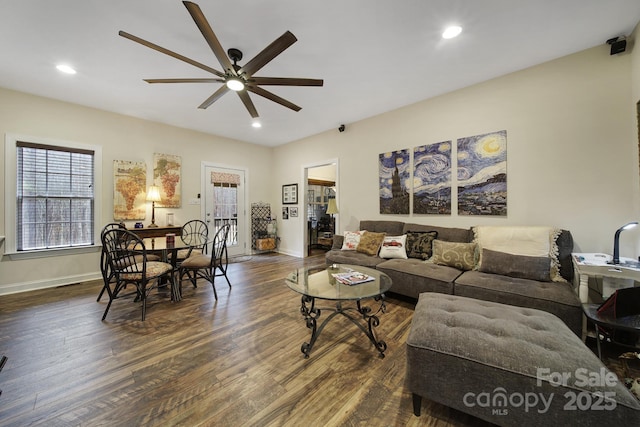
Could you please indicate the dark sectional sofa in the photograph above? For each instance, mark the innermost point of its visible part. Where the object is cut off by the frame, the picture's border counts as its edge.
(411, 276)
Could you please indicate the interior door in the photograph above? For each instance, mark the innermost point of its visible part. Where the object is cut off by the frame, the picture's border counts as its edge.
(225, 203)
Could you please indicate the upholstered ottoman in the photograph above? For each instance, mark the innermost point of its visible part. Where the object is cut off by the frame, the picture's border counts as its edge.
(510, 365)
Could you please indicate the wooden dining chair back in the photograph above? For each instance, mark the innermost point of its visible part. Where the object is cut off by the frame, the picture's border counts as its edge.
(107, 273)
(128, 260)
(208, 266)
(194, 233)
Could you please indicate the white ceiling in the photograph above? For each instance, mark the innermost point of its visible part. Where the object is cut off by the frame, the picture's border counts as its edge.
(374, 55)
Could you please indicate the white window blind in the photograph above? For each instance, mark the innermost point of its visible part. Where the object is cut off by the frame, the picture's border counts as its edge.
(55, 197)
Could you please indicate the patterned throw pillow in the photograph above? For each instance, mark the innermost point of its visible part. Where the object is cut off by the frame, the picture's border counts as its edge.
(419, 244)
(394, 247)
(453, 254)
(370, 243)
(351, 240)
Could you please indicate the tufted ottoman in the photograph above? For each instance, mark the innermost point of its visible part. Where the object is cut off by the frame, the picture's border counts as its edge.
(510, 365)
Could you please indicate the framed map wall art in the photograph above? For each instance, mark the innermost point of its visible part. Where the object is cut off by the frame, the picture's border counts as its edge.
(394, 179)
(482, 174)
(432, 179)
(167, 174)
(129, 190)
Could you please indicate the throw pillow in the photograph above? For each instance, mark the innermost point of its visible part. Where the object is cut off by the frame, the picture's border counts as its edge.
(519, 266)
(370, 243)
(453, 254)
(394, 247)
(419, 244)
(533, 241)
(351, 240)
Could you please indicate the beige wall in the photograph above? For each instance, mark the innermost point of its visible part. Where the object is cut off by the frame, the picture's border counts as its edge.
(572, 150)
(121, 138)
(634, 108)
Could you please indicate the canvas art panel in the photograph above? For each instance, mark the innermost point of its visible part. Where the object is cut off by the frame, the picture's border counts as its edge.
(129, 190)
(394, 180)
(482, 174)
(432, 179)
(167, 171)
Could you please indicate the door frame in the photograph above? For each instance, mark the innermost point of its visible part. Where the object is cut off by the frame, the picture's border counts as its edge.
(305, 187)
(203, 189)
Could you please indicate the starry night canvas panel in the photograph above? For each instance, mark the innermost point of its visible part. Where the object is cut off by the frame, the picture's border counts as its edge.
(394, 178)
(432, 179)
(482, 174)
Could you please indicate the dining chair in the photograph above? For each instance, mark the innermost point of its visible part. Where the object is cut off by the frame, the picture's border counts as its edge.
(208, 266)
(129, 262)
(107, 273)
(193, 233)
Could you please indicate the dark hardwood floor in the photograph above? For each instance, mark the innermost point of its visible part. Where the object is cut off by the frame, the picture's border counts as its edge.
(231, 362)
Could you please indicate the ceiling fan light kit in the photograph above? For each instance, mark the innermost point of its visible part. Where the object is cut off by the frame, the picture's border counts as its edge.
(240, 79)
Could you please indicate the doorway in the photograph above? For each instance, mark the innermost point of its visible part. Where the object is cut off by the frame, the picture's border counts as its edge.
(320, 206)
(224, 203)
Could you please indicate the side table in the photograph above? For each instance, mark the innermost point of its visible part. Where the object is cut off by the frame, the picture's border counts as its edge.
(595, 265)
(628, 323)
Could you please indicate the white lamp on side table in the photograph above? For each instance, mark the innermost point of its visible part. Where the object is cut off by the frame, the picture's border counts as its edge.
(153, 196)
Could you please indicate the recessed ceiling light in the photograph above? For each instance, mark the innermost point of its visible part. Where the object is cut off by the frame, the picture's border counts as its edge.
(65, 69)
(256, 124)
(451, 32)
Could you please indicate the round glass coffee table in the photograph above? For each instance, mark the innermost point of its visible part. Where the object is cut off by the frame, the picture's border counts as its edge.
(316, 284)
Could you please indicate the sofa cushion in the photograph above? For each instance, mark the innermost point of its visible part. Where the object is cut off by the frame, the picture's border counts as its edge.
(420, 244)
(394, 247)
(524, 240)
(462, 256)
(392, 228)
(523, 267)
(554, 297)
(337, 256)
(411, 277)
(370, 243)
(351, 240)
(449, 234)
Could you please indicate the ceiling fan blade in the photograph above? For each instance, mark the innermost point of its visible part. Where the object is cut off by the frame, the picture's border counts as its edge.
(273, 97)
(244, 96)
(209, 36)
(285, 81)
(184, 80)
(213, 98)
(170, 53)
(268, 53)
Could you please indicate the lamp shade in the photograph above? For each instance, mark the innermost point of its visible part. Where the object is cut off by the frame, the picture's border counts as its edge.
(153, 194)
(333, 207)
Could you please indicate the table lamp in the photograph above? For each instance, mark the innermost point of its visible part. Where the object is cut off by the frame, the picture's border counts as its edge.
(153, 196)
(332, 208)
(616, 241)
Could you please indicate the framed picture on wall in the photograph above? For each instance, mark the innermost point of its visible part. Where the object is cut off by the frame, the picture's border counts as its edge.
(285, 212)
(290, 194)
(293, 211)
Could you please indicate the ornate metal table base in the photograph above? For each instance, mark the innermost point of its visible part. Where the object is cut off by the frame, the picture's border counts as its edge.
(371, 321)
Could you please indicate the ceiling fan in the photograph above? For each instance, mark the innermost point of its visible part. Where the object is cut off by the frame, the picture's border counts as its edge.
(240, 79)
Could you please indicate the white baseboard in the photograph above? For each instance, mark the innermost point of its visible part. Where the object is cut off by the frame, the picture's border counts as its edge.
(14, 288)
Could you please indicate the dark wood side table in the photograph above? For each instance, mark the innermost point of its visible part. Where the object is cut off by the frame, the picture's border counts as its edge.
(156, 231)
(628, 323)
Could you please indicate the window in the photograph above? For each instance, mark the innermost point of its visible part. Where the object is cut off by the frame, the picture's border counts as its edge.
(55, 190)
(54, 197)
